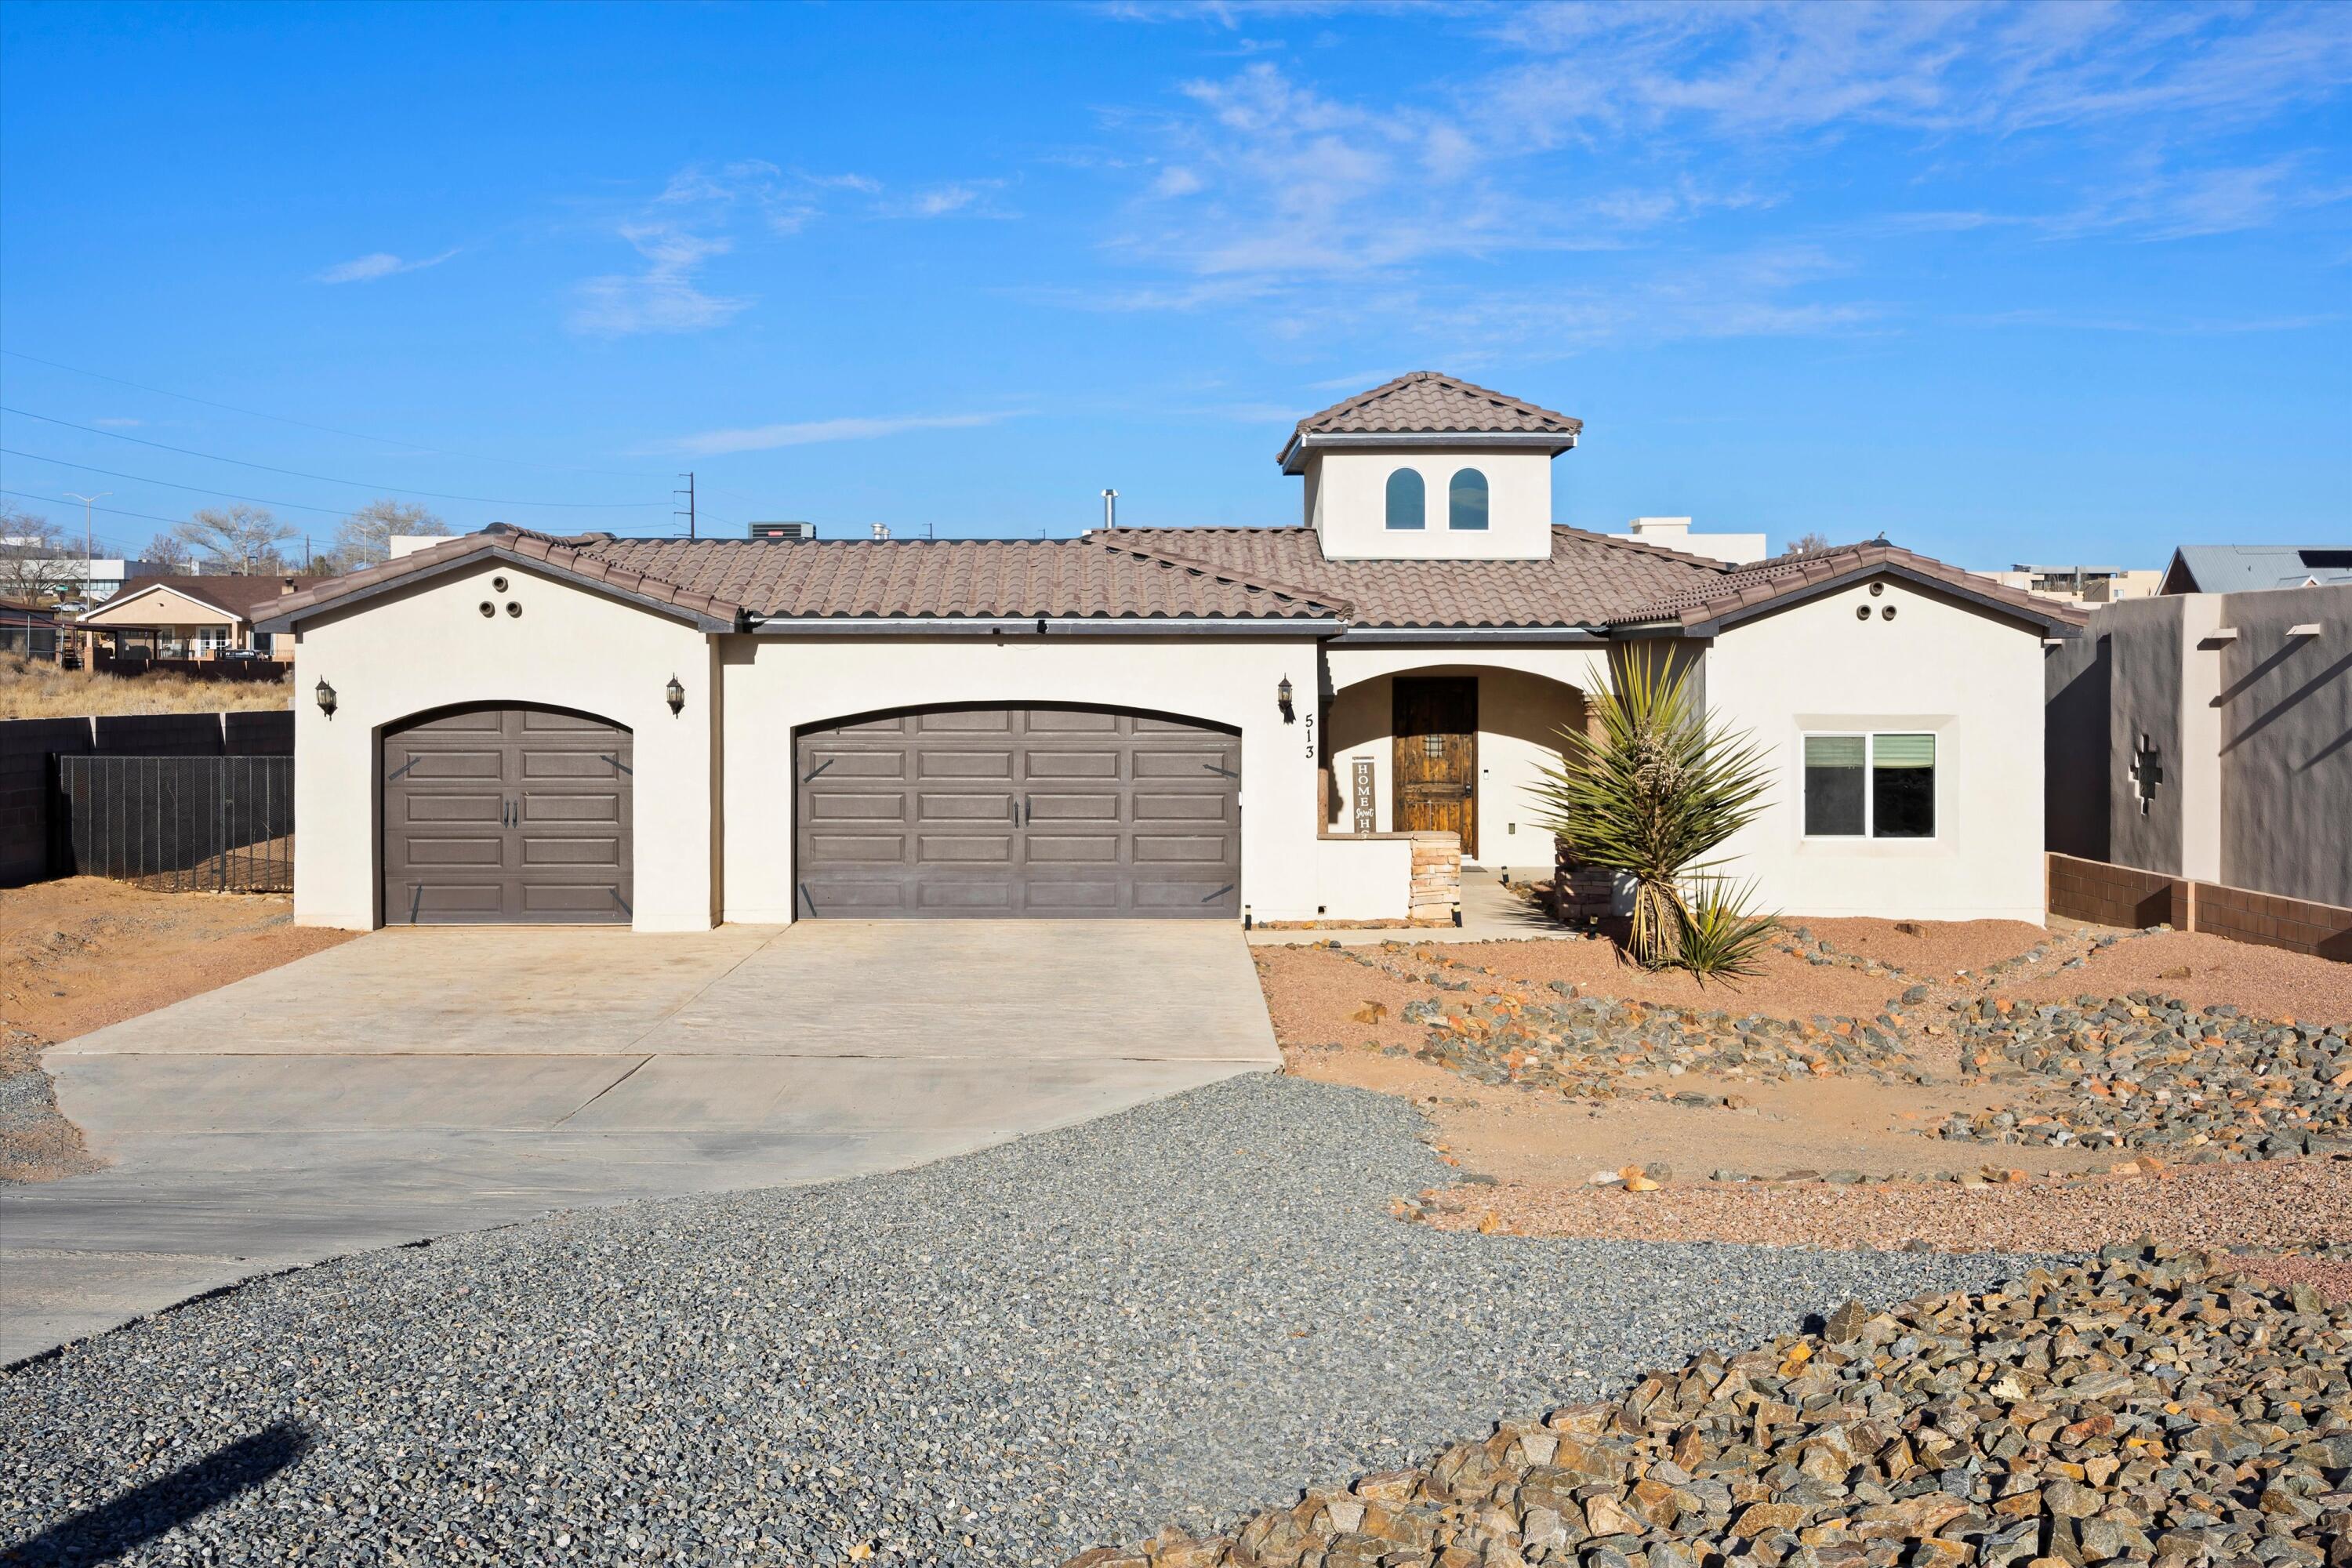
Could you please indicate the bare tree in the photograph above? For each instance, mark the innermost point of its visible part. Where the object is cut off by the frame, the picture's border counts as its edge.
(238, 539)
(167, 551)
(1807, 544)
(365, 536)
(36, 564)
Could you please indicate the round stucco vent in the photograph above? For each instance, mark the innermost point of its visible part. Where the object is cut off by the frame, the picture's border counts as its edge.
(513, 608)
(1887, 614)
(1862, 612)
(1876, 589)
(499, 586)
(490, 609)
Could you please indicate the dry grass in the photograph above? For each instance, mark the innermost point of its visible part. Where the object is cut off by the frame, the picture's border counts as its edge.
(37, 691)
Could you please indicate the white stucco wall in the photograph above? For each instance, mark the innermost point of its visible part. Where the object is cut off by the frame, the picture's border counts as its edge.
(430, 647)
(1972, 679)
(1347, 505)
(776, 685)
(1524, 696)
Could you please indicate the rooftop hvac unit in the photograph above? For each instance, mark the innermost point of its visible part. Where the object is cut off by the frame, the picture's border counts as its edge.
(796, 532)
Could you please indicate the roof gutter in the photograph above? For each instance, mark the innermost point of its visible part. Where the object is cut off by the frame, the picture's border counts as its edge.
(1378, 637)
(1552, 442)
(1040, 625)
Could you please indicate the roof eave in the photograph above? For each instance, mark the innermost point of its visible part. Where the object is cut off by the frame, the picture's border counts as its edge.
(1044, 626)
(1707, 620)
(1292, 458)
(719, 617)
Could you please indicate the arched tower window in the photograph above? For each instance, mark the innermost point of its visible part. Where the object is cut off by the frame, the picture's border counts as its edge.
(1408, 500)
(1466, 501)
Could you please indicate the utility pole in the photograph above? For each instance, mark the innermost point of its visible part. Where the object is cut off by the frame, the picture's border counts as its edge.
(87, 550)
(688, 493)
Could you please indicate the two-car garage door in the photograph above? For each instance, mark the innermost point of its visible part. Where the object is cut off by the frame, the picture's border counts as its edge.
(1045, 812)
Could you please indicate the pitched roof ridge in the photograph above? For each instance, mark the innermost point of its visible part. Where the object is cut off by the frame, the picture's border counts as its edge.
(1240, 579)
(1644, 547)
(1451, 383)
(566, 553)
(1762, 582)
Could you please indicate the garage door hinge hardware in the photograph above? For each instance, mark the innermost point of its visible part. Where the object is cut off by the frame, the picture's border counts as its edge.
(618, 764)
(1222, 772)
(818, 769)
(402, 769)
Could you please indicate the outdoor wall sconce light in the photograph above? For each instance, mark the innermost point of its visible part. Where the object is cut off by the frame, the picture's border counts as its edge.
(676, 695)
(326, 696)
(1282, 700)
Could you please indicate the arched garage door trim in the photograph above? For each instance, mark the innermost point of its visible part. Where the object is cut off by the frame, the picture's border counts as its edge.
(976, 811)
(505, 813)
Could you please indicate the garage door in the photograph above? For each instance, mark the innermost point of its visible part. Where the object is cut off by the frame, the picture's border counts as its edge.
(506, 814)
(1051, 813)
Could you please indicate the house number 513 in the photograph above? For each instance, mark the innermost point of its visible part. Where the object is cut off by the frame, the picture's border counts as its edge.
(1310, 722)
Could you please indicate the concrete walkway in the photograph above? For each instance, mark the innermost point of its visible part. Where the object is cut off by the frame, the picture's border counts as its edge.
(1489, 913)
(418, 1082)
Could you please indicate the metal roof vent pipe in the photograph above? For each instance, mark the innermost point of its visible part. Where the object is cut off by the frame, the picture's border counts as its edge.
(882, 531)
(1110, 509)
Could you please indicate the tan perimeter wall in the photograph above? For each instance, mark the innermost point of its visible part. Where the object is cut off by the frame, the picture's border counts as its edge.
(2107, 894)
(1973, 680)
(430, 647)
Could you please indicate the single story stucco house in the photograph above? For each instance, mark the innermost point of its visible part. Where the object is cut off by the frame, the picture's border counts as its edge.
(1197, 722)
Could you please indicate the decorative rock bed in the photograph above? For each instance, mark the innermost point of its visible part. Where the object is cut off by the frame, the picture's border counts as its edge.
(2147, 1072)
(2146, 1409)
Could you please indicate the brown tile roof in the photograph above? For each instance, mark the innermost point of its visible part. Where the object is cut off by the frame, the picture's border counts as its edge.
(240, 595)
(1747, 589)
(1090, 576)
(1589, 580)
(566, 556)
(1426, 402)
(726, 579)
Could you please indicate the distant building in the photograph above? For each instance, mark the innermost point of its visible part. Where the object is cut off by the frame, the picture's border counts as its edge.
(1675, 534)
(2235, 568)
(800, 532)
(107, 574)
(2082, 584)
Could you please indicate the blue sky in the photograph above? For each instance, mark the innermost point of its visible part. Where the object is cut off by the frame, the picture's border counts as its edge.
(2066, 283)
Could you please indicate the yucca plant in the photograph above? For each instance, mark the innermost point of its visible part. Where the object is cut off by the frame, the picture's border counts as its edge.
(1720, 933)
(1661, 787)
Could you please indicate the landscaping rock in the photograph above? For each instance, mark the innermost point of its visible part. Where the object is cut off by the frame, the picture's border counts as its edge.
(2149, 1408)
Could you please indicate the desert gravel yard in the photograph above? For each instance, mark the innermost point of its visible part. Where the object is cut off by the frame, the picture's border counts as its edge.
(1179, 1313)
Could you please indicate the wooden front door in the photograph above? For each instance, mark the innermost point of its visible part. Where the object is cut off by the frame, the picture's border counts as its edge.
(1436, 765)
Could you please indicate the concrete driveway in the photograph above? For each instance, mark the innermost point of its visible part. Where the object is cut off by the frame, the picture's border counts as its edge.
(419, 1082)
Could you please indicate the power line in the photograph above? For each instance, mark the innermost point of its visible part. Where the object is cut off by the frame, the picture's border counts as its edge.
(327, 429)
(327, 479)
(110, 510)
(170, 485)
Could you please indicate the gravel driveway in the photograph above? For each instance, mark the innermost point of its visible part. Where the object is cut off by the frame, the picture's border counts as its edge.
(1175, 1313)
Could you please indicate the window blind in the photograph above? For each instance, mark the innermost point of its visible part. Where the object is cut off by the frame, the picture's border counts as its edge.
(1833, 751)
(1903, 751)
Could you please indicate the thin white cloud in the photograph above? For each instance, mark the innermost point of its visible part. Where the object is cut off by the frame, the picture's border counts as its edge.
(664, 297)
(379, 264)
(119, 424)
(806, 433)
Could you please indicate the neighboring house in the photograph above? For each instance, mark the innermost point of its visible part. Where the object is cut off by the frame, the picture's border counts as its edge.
(2082, 584)
(1675, 534)
(192, 617)
(30, 630)
(1168, 722)
(2236, 568)
(2209, 736)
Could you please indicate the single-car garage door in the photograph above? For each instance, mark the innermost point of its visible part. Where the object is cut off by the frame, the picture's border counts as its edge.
(1051, 813)
(509, 814)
